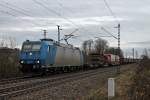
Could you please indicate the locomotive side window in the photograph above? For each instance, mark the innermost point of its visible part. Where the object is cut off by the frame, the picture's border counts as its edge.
(48, 49)
(36, 47)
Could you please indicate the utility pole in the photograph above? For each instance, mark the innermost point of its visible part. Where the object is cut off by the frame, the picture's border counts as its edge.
(126, 54)
(44, 34)
(119, 47)
(133, 53)
(119, 40)
(118, 27)
(136, 53)
(58, 33)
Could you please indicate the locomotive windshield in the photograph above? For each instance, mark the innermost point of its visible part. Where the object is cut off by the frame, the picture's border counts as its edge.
(31, 46)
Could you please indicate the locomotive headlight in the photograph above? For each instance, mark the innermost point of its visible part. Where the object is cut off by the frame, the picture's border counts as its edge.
(22, 62)
(30, 53)
(38, 61)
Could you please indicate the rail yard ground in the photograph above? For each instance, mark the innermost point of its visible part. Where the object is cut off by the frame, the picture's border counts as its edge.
(89, 85)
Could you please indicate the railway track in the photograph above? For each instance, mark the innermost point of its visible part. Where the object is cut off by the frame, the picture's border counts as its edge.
(37, 84)
(14, 80)
(10, 81)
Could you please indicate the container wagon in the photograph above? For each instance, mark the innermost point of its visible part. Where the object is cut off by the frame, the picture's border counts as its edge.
(112, 59)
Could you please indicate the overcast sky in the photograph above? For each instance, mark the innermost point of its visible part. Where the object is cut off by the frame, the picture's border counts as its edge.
(25, 19)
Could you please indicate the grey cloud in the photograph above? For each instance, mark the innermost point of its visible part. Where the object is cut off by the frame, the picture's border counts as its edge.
(134, 26)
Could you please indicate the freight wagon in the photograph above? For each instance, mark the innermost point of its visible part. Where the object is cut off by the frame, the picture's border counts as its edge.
(96, 60)
(112, 59)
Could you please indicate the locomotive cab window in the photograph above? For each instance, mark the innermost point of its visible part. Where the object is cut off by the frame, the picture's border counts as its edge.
(31, 46)
(26, 47)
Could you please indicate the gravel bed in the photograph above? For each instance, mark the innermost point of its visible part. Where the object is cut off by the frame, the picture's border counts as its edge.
(75, 90)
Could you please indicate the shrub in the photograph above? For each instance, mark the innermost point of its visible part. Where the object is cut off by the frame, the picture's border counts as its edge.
(9, 59)
(140, 90)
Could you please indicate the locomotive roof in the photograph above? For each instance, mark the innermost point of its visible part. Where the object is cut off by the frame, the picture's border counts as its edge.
(27, 41)
(52, 42)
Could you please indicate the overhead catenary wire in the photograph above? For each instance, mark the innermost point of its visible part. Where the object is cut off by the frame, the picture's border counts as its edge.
(108, 32)
(17, 10)
(111, 11)
(11, 14)
(24, 12)
(59, 15)
(66, 8)
(6, 12)
(27, 12)
(56, 13)
(13, 9)
(70, 11)
(12, 5)
(61, 5)
(53, 11)
(115, 18)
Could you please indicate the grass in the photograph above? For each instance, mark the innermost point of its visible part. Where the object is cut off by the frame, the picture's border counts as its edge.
(132, 84)
(123, 81)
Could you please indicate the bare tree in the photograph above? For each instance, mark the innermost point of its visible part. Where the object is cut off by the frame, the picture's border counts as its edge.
(2, 43)
(87, 46)
(9, 42)
(114, 50)
(84, 47)
(90, 42)
(10, 55)
(136, 54)
(100, 45)
(145, 52)
(12, 42)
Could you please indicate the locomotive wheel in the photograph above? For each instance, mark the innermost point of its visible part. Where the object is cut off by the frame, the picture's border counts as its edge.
(26, 68)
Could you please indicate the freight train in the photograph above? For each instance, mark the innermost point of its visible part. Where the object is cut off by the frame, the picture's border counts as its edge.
(49, 55)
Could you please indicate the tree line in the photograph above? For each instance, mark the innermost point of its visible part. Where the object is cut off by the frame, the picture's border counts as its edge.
(99, 46)
(9, 57)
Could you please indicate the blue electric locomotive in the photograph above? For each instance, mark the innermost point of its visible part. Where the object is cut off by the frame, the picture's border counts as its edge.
(47, 55)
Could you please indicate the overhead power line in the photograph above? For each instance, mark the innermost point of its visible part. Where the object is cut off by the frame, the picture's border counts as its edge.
(16, 10)
(8, 13)
(53, 11)
(59, 15)
(5, 12)
(108, 32)
(141, 42)
(111, 11)
(61, 5)
(23, 10)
